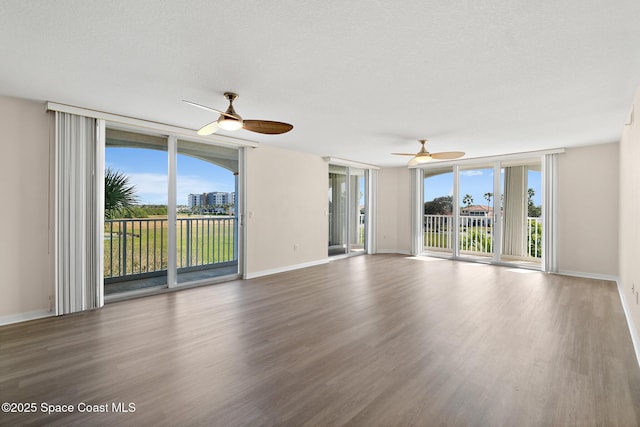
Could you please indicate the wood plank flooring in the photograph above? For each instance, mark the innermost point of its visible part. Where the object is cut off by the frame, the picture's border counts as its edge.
(372, 340)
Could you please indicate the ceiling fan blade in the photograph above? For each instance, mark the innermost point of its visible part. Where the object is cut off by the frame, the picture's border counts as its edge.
(447, 155)
(204, 107)
(266, 126)
(404, 154)
(208, 129)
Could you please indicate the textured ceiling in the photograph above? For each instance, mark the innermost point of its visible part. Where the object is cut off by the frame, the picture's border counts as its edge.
(357, 79)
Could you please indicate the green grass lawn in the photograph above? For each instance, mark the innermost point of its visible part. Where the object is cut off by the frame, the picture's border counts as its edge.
(200, 241)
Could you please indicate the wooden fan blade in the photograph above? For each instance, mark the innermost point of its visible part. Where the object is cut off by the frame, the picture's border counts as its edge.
(209, 129)
(447, 155)
(266, 126)
(204, 107)
(404, 154)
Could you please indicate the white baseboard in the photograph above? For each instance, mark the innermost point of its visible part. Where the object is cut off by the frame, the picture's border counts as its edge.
(597, 276)
(283, 269)
(627, 314)
(23, 317)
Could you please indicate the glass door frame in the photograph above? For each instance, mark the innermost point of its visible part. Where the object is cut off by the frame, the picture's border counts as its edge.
(368, 194)
(496, 224)
(172, 139)
(239, 234)
(548, 164)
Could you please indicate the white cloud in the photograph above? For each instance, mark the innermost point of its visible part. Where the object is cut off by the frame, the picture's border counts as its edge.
(151, 188)
(471, 173)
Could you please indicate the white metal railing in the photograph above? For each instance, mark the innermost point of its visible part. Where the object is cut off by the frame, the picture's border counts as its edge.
(534, 237)
(438, 232)
(134, 247)
(476, 234)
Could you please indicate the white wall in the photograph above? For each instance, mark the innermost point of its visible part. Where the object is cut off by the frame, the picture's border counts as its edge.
(629, 263)
(286, 210)
(394, 210)
(587, 210)
(26, 242)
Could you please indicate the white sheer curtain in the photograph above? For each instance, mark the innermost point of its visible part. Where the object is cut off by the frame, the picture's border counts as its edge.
(372, 209)
(417, 209)
(549, 213)
(514, 241)
(79, 213)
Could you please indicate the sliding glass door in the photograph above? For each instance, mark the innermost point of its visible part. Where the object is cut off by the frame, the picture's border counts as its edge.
(136, 252)
(521, 212)
(438, 218)
(206, 223)
(347, 210)
(178, 223)
(488, 212)
(475, 201)
(357, 209)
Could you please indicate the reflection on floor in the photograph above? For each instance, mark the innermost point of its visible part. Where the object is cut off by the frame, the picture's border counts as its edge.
(533, 263)
(161, 281)
(341, 250)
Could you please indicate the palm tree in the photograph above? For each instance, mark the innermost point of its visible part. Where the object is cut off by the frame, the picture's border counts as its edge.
(488, 196)
(119, 195)
(467, 199)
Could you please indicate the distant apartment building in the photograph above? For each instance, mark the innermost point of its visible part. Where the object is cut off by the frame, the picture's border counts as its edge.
(217, 198)
(195, 200)
(213, 202)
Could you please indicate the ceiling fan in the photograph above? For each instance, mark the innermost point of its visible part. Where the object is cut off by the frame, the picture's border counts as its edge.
(423, 156)
(230, 120)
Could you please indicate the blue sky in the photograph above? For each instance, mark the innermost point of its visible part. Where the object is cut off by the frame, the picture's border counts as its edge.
(475, 182)
(147, 170)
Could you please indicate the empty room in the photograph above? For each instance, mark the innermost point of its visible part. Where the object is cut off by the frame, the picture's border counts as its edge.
(319, 214)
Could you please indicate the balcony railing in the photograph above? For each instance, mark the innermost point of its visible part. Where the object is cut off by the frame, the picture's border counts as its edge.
(476, 235)
(138, 247)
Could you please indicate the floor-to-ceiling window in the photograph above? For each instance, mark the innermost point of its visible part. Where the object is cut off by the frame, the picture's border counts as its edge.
(192, 203)
(337, 210)
(357, 210)
(489, 211)
(136, 227)
(438, 218)
(206, 223)
(521, 211)
(476, 212)
(347, 211)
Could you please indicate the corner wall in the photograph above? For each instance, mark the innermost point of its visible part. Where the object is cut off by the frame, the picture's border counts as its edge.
(629, 262)
(394, 210)
(587, 211)
(26, 245)
(286, 212)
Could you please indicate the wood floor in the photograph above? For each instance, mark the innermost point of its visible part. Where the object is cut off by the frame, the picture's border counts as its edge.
(365, 341)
